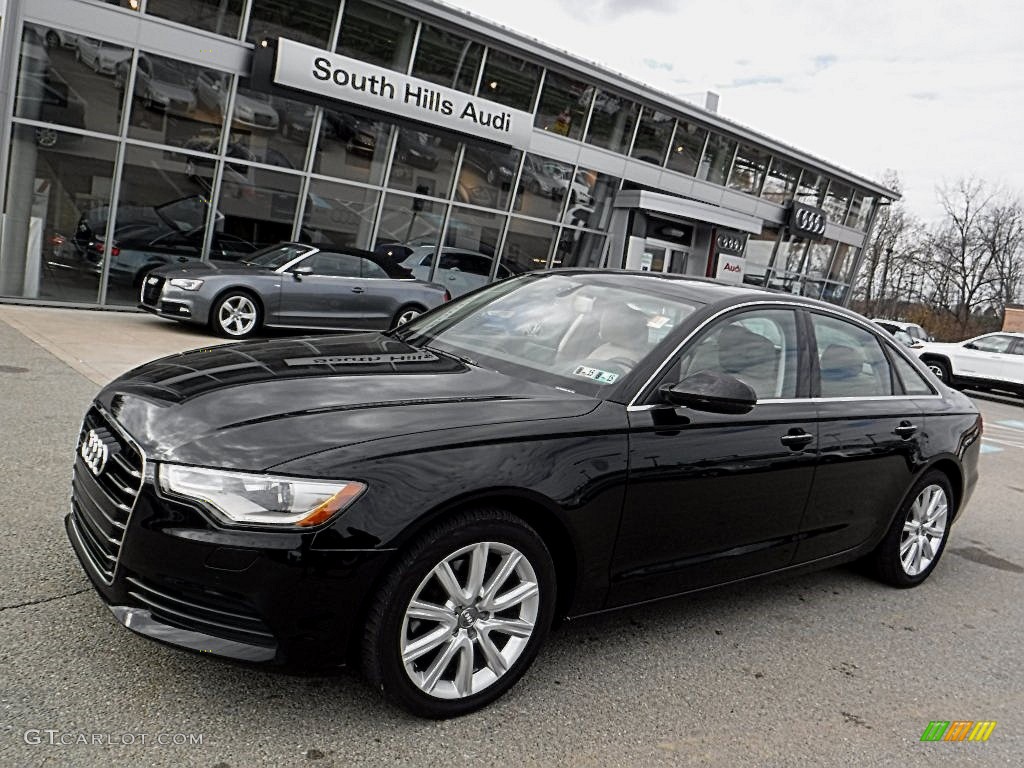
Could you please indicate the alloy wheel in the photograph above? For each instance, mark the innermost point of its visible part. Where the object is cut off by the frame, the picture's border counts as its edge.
(237, 315)
(924, 530)
(938, 370)
(470, 620)
(46, 137)
(409, 314)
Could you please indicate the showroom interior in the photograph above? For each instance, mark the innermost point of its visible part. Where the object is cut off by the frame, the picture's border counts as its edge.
(144, 132)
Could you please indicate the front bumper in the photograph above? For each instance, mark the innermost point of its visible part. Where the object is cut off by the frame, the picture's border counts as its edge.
(255, 596)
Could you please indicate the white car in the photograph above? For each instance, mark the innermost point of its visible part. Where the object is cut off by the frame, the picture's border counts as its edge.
(994, 361)
(460, 270)
(102, 57)
(913, 330)
(250, 111)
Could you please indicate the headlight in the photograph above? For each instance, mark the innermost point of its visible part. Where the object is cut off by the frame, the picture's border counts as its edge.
(187, 284)
(258, 499)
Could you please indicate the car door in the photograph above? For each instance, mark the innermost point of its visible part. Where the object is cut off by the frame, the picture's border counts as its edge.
(381, 295)
(715, 497)
(991, 358)
(330, 296)
(869, 441)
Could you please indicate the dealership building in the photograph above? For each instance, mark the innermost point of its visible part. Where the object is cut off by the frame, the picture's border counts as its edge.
(136, 133)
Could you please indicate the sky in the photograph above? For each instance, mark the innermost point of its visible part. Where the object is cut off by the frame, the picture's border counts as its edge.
(933, 90)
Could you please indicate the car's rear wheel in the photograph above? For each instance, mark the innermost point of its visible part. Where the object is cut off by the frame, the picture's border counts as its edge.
(941, 370)
(406, 313)
(46, 137)
(236, 315)
(917, 537)
(462, 616)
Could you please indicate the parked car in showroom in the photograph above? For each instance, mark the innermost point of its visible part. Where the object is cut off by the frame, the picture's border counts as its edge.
(291, 285)
(425, 502)
(460, 270)
(102, 57)
(990, 362)
(159, 85)
(251, 111)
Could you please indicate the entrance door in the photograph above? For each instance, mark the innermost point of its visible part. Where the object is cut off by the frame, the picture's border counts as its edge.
(664, 257)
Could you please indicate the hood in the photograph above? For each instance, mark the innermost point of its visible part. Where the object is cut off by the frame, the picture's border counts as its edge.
(213, 267)
(254, 405)
(174, 91)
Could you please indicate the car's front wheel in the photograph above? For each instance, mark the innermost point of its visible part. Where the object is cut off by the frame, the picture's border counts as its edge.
(917, 537)
(462, 615)
(405, 314)
(941, 370)
(236, 315)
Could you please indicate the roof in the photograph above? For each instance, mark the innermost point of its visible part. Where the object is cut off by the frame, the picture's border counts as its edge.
(503, 37)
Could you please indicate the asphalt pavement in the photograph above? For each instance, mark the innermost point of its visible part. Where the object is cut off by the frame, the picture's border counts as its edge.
(825, 669)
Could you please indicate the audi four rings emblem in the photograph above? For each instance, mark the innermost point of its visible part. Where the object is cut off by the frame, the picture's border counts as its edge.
(95, 452)
(810, 221)
(729, 243)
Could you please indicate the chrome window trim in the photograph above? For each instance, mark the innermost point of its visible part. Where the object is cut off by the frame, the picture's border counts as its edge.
(803, 400)
(862, 323)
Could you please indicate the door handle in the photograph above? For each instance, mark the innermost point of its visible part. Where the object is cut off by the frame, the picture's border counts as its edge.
(796, 439)
(905, 429)
(358, 290)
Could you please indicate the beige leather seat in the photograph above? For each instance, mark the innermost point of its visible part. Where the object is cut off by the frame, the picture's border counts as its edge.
(842, 372)
(623, 332)
(751, 358)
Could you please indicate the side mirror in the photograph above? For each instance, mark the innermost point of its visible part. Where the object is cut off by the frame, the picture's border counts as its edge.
(298, 272)
(970, 345)
(712, 392)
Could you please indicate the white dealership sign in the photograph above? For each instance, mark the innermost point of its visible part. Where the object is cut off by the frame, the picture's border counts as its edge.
(339, 77)
(730, 268)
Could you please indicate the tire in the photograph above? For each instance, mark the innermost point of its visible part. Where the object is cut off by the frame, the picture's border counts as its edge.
(46, 137)
(236, 315)
(901, 560)
(457, 659)
(941, 370)
(406, 313)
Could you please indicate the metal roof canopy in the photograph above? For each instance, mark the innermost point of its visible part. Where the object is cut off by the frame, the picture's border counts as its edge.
(687, 209)
(571, 64)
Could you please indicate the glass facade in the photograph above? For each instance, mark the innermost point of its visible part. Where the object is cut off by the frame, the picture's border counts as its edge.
(124, 159)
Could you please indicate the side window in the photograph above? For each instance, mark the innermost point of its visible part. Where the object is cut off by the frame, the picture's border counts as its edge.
(850, 360)
(996, 343)
(369, 269)
(334, 264)
(913, 382)
(758, 347)
(1018, 348)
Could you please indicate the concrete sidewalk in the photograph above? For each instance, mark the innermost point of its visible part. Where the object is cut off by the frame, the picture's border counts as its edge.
(101, 345)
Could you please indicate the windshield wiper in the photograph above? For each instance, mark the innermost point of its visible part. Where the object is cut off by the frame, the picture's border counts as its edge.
(461, 358)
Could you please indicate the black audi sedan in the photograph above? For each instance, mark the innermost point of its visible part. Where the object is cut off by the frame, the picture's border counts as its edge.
(426, 502)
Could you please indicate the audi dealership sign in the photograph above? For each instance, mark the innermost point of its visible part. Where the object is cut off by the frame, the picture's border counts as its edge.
(807, 221)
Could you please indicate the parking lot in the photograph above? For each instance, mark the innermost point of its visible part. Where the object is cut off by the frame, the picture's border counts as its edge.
(826, 669)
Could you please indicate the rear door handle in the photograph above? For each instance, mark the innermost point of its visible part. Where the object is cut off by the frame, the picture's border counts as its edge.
(796, 439)
(905, 429)
(358, 290)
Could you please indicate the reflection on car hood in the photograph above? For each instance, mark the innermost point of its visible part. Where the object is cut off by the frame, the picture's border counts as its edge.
(200, 268)
(253, 405)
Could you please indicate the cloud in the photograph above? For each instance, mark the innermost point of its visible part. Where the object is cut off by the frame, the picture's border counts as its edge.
(655, 64)
(614, 9)
(743, 82)
(924, 95)
(824, 61)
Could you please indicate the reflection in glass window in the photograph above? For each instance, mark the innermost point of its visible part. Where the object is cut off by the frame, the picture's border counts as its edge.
(543, 187)
(509, 80)
(527, 245)
(376, 35)
(62, 187)
(177, 103)
(258, 204)
(837, 200)
(843, 263)
(407, 223)
(338, 215)
(591, 195)
(486, 174)
(780, 183)
(447, 59)
(577, 248)
(863, 214)
(471, 242)
(687, 147)
(850, 360)
(714, 165)
(161, 217)
(221, 17)
(563, 107)
(811, 190)
(784, 274)
(423, 163)
(352, 147)
(285, 147)
(653, 136)
(307, 22)
(818, 257)
(612, 122)
(748, 170)
(55, 85)
(758, 255)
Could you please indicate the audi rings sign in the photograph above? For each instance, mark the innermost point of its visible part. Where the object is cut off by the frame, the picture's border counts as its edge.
(730, 242)
(94, 452)
(807, 221)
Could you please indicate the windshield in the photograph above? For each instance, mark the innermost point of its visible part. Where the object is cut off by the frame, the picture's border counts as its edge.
(275, 256)
(579, 332)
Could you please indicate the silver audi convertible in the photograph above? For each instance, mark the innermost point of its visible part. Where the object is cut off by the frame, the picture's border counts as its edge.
(291, 285)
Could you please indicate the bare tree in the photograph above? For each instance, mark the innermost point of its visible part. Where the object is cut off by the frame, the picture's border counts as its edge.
(1002, 237)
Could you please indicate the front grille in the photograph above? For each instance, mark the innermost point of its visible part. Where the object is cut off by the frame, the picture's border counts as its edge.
(151, 288)
(206, 611)
(102, 501)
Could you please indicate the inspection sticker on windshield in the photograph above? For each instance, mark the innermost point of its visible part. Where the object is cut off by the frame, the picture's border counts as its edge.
(603, 377)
